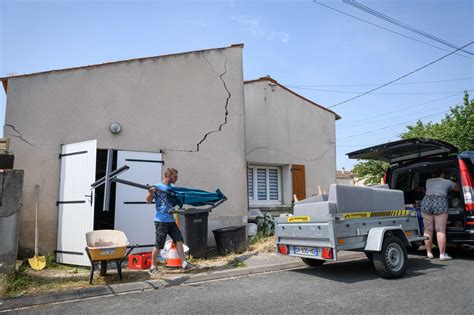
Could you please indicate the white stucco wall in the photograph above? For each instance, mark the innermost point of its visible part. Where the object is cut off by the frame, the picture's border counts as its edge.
(164, 103)
(284, 129)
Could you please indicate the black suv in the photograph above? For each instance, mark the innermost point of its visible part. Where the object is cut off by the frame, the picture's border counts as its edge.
(411, 162)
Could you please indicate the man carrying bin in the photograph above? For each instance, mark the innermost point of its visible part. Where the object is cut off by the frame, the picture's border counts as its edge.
(164, 221)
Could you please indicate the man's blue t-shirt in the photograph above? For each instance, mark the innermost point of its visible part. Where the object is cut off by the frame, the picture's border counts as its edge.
(162, 208)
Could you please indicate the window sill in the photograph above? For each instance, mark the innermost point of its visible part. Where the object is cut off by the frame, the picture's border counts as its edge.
(274, 211)
(269, 206)
(254, 204)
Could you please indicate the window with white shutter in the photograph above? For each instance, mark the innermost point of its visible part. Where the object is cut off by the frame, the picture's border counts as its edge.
(273, 184)
(261, 184)
(250, 182)
(264, 185)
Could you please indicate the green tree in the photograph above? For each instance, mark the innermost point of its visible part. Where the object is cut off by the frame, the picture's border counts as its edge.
(371, 172)
(457, 128)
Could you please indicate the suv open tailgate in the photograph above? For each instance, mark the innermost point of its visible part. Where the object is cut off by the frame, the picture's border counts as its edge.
(404, 150)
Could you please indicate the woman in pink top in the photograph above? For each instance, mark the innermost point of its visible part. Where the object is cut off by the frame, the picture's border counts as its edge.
(434, 209)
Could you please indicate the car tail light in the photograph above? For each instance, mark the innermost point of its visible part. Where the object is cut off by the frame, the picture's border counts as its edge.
(327, 253)
(467, 186)
(283, 249)
(385, 177)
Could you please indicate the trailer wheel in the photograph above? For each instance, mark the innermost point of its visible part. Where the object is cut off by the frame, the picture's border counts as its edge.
(391, 261)
(313, 262)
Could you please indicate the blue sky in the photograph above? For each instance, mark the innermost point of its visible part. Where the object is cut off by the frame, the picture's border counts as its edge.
(321, 54)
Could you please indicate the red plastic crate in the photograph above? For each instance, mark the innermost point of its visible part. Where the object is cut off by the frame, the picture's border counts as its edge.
(139, 261)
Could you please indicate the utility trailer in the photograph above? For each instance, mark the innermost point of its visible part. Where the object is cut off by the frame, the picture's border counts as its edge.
(373, 220)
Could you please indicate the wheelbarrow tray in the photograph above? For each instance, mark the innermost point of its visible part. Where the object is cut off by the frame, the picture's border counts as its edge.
(106, 244)
(107, 252)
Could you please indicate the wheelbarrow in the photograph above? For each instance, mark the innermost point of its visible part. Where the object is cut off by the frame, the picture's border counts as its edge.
(104, 246)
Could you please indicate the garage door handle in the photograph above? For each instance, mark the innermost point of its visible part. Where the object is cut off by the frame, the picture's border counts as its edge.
(90, 196)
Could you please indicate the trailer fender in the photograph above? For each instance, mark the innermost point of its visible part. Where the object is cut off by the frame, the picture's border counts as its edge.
(377, 235)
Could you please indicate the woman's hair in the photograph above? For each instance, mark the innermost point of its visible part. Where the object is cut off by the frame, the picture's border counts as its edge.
(436, 172)
(170, 172)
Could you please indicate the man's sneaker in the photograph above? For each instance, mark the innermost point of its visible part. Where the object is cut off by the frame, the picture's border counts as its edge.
(430, 255)
(187, 266)
(445, 257)
(154, 271)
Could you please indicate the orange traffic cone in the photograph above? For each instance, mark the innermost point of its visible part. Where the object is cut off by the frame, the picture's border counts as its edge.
(173, 258)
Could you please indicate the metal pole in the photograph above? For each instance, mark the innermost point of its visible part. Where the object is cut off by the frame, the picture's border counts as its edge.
(113, 174)
(107, 180)
(129, 183)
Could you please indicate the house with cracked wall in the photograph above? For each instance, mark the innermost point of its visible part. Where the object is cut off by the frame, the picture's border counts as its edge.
(290, 145)
(185, 111)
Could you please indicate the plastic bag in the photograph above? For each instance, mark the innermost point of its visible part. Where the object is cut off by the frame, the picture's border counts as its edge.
(164, 252)
(252, 229)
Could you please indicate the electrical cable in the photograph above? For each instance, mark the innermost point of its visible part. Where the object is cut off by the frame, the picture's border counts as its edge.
(355, 146)
(357, 122)
(388, 127)
(389, 19)
(379, 93)
(384, 28)
(375, 84)
(401, 77)
(394, 118)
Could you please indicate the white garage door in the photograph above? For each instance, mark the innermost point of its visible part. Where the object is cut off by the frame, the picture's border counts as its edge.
(132, 215)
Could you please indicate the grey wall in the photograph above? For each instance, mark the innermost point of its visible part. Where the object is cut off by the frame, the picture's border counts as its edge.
(11, 185)
(282, 129)
(166, 103)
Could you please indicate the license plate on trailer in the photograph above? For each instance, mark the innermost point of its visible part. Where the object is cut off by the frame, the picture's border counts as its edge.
(308, 251)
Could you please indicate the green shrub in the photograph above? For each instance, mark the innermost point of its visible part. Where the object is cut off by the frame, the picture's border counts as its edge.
(266, 225)
(50, 261)
(20, 281)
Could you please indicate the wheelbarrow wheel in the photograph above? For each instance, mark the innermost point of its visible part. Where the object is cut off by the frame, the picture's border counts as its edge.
(103, 267)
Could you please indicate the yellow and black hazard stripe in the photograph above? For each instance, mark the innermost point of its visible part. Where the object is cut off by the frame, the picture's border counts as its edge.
(375, 214)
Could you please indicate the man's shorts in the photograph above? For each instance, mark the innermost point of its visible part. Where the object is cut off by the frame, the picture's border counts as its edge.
(166, 228)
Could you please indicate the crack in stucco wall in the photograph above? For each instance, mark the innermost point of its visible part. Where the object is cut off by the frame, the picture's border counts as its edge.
(225, 108)
(226, 101)
(19, 136)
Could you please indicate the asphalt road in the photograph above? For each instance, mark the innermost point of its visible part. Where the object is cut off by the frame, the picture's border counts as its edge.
(429, 286)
